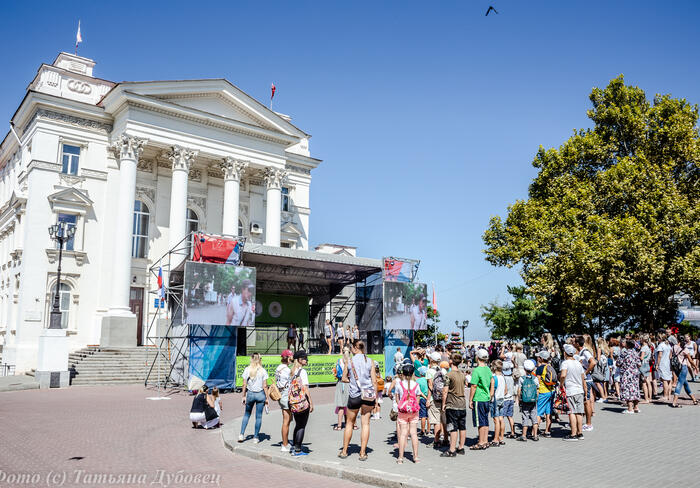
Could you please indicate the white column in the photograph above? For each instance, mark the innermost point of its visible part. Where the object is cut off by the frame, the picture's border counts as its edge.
(233, 170)
(127, 150)
(274, 179)
(181, 160)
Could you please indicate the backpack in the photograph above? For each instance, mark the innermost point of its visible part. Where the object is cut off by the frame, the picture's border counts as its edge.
(675, 363)
(599, 371)
(297, 399)
(549, 376)
(438, 385)
(338, 370)
(408, 403)
(528, 392)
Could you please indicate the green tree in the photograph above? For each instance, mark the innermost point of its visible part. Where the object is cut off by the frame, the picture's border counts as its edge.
(610, 231)
(522, 319)
(426, 337)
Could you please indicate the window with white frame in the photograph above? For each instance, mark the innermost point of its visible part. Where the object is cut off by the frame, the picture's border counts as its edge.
(64, 299)
(285, 199)
(70, 220)
(191, 225)
(139, 238)
(70, 159)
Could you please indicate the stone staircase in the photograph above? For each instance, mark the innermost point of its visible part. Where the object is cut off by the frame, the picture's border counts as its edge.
(95, 365)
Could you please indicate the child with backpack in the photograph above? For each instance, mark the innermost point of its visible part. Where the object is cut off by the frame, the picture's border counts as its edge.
(436, 417)
(499, 393)
(409, 394)
(547, 378)
(527, 393)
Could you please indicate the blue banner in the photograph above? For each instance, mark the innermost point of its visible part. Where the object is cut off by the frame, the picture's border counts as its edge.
(213, 355)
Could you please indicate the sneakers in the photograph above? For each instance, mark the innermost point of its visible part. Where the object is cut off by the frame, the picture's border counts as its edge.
(600, 400)
(300, 453)
(240, 438)
(570, 437)
(587, 428)
(286, 448)
(627, 411)
(256, 440)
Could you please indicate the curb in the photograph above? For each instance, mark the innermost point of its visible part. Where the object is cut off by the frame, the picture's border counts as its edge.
(383, 480)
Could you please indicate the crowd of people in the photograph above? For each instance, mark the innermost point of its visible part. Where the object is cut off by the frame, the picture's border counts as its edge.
(432, 392)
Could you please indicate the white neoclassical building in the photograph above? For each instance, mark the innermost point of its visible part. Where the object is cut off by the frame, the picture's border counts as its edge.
(134, 166)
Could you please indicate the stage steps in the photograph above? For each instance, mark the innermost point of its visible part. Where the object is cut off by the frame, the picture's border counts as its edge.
(95, 365)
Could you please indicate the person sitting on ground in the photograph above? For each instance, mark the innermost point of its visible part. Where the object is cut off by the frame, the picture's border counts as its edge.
(480, 394)
(218, 404)
(199, 403)
(527, 393)
(454, 406)
(574, 378)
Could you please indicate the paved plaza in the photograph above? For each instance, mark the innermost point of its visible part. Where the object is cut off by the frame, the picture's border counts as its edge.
(659, 445)
(81, 435)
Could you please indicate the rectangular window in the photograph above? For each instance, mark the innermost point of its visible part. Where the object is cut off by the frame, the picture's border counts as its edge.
(285, 199)
(71, 221)
(70, 157)
(286, 244)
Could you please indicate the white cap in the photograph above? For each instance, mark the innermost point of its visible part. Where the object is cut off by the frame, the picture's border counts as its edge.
(509, 355)
(569, 349)
(482, 354)
(435, 356)
(529, 365)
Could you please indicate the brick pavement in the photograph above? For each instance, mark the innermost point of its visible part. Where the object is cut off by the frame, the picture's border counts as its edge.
(659, 445)
(116, 430)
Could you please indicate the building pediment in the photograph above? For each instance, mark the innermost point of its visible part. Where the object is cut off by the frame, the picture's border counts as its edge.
(291, 230)
(70, 200)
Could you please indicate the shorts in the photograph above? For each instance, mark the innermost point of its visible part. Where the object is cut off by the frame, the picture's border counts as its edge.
(456, 419)
(408, 418)
(423, 410)
(575, 403)
(545, 401)
(436, 415)
(529, 414)
(356, 402)
(508, 408)
(589, 389)
(480, 414)
(341, 409)
(284, 402)
(497, 408)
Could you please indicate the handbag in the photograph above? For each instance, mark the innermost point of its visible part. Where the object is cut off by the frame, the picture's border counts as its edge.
(274, 392)
(676, 366)
(368, 394)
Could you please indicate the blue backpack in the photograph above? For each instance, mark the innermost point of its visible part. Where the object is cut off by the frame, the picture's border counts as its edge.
(338, 370)
(528, 392)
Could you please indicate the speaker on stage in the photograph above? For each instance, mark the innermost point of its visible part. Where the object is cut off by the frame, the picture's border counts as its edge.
(374, 342)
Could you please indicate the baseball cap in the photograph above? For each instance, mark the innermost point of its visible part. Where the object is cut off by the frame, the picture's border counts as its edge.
(287, 353)
(529, 365)
(507, 368)
(544, 354)
(421, 371)
(444, 365)
(569, 349)
(482, 354)
(435, 356)
(301, 354)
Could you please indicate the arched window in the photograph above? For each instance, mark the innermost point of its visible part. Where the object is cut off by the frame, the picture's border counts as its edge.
(240, 228)
(191, 225)
(63, 303)
(139, 239)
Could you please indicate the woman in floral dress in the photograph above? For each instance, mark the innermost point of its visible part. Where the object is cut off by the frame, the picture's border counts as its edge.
(629, 364)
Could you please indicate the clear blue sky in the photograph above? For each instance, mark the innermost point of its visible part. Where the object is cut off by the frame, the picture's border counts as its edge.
(426, 114)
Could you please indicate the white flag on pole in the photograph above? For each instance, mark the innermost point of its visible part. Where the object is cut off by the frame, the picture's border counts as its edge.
(78, 38)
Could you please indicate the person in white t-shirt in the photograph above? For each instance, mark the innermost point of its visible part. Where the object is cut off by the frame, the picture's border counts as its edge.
(663, 365)
(255, 395)
(574, 379)
(283, 376)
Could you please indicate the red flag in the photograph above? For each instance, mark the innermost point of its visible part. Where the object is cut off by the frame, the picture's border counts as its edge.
(272, 89)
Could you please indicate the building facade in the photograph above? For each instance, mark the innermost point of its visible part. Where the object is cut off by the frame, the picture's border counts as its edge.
(134, 167)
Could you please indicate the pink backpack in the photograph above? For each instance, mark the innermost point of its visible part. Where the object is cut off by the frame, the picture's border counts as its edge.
(408, 403)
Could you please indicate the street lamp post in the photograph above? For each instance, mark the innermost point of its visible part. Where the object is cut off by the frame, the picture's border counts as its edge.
(61, 233)
(465, 324)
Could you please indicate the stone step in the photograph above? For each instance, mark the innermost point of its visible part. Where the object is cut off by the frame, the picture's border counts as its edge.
(95, 365)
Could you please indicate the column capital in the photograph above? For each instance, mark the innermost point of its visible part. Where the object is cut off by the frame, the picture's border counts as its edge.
(275, 178)
(128, 147)
(182, 158)
(233, 168)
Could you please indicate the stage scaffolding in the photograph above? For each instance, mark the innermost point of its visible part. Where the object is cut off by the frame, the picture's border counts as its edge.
(167, 334)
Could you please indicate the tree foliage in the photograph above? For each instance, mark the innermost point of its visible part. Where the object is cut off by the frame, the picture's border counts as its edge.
(611, 229)
(425, 337)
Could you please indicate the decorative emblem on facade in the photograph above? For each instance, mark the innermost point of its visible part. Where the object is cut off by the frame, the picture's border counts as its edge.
(79, 87)
(181, 158)
(69, 119)
(233, 168)
(70, 180)
(198, 201)
(195, 175)
(128, 147)
(144, 191)
(145, 165)
(275, 178)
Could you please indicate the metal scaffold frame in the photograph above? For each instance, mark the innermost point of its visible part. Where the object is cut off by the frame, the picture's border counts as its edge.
(171, 348)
